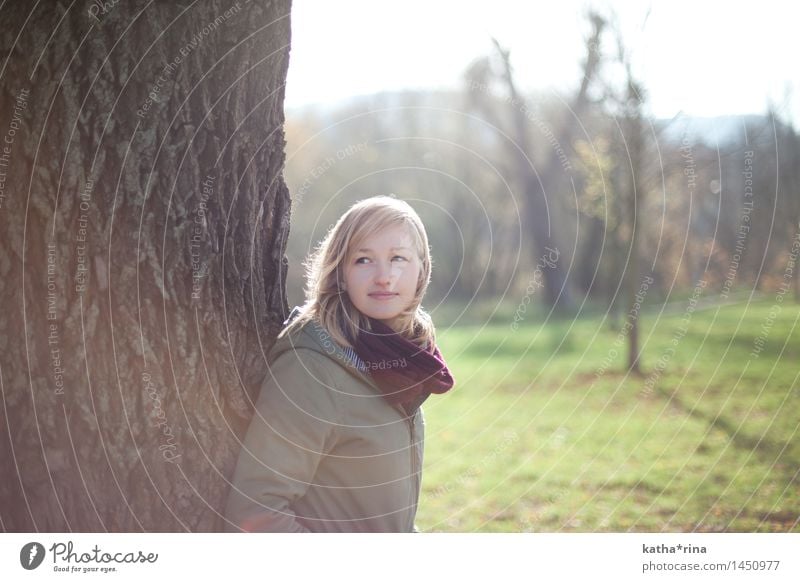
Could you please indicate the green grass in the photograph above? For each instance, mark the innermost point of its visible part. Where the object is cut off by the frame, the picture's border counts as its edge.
(546, 432)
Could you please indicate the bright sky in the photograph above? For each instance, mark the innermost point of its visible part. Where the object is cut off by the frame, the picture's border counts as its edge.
(703, 57)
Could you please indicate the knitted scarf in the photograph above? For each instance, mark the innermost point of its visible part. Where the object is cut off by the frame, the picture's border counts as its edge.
(405, 373)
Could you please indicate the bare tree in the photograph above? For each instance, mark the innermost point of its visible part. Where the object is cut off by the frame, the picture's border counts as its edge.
(141, 255)
(632, 142)
(539, 181)
(787, 145)
(634, 130)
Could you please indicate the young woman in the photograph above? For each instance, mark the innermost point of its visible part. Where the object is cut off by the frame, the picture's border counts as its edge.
(336, 441)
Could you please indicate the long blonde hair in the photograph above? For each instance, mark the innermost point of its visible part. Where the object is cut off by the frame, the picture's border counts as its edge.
(326, 301)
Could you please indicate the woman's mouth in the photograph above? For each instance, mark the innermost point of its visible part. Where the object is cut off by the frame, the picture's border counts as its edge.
(383, 295)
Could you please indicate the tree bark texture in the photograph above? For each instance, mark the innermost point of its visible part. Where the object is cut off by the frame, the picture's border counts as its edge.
(144, 219)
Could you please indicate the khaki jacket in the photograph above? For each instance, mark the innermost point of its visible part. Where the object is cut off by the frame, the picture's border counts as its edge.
(325, 452)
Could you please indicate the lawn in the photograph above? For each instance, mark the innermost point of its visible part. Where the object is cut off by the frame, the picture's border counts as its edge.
(546, 432)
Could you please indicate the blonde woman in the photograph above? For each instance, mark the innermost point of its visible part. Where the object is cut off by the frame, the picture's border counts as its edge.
(336, 441)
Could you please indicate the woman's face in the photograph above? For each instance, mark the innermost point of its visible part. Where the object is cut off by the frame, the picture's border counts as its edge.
(381, 275)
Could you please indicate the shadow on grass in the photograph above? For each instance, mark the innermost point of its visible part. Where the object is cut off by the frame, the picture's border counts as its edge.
(765, 449)
(745, 343)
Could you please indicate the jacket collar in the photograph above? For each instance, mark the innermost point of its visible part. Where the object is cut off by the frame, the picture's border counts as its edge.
(313, 336)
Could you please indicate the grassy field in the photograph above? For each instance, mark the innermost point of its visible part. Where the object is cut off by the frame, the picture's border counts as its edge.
(546, 432)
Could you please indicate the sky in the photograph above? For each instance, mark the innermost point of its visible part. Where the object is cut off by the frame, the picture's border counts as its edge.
(700, 57)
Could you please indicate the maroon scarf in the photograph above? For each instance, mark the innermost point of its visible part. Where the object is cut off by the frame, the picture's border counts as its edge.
(405, 373)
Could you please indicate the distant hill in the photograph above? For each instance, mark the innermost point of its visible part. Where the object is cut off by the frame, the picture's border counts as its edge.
(720, 131)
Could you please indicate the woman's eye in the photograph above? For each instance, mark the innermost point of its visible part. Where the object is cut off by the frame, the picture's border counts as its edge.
(399, 257)
(362, 260)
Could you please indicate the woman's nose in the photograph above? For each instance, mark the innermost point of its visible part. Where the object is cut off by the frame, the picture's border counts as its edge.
(383, 274)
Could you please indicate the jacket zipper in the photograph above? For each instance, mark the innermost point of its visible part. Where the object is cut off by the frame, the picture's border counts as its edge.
(414, 468)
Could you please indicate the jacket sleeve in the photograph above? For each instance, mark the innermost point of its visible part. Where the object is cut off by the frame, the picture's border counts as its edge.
(292, 429)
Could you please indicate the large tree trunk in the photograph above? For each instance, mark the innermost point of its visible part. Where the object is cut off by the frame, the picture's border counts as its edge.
(144, 219)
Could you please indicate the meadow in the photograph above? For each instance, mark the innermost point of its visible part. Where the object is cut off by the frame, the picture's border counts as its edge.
(546, 432)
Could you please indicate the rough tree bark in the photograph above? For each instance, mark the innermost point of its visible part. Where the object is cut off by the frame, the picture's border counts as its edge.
(144, 219)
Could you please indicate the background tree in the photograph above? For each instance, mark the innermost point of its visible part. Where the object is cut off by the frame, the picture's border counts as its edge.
(633, 132)
(538, 181)
(141, 255)
(787, 151)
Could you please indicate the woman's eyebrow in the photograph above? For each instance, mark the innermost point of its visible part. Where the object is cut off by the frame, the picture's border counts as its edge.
(391, 249)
